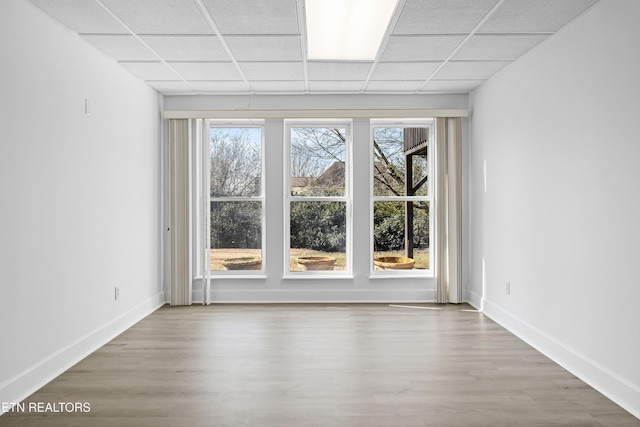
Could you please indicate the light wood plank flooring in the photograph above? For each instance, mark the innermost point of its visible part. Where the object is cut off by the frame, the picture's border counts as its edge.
(321, 365)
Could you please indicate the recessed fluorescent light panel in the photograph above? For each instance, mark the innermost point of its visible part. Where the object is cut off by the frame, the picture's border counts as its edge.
(346, 30)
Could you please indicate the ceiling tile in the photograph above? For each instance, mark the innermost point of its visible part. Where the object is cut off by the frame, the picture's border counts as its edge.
(526, 16)
(393, 86)
(188, 48)
(319, 70)
(264, 37)
(459, 86)
(265, 48)
(150, 70)
(442, 17)
(254, 17)
(278, 86)
(420, 48)
(81, 16)
(469, 70)
(404, 70)
(273, 70)
(335, 86)
(121, 47)
(207, 70)
(170, 86)
(497, 47)
(160, 16)
(220, 87)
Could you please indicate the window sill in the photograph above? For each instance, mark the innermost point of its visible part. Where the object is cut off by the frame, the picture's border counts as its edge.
(234, 276)
(401, 275)
(317, 276)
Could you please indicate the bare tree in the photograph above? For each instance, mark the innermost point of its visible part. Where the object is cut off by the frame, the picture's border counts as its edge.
(389, 162)
(388, 158)
(304, 163)
(235, 163)
(314, 150)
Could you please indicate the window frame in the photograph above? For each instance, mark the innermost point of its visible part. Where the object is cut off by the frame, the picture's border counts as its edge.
(290, 124)
(403, 123)
(239, 124)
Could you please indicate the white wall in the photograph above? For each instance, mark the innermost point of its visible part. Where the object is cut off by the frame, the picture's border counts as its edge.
(80, 199)
(559, 213)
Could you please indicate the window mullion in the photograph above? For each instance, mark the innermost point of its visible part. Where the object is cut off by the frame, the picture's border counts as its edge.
(317, 199)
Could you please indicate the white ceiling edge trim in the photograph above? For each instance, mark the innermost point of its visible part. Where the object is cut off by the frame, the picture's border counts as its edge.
(406, 113)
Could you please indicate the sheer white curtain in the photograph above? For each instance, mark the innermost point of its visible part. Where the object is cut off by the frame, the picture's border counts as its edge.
(448, 232)
(180, 212)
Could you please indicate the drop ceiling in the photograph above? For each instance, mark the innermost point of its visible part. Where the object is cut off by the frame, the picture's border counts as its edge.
(259, 46)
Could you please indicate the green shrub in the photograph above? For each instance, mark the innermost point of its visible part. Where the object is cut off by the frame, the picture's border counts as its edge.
(318, 225)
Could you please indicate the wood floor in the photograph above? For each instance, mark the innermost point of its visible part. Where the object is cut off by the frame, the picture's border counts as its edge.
(320, 365)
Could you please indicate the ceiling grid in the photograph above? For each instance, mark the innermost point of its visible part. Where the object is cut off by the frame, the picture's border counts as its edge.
(259, 46)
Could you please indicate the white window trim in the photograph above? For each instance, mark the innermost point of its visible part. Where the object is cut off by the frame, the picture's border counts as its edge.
(242, 274)
(405, 123)
(347, 273)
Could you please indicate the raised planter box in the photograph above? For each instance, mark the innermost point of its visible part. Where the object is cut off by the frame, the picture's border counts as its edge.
(394, 263)
(243, 263)
(316, 263)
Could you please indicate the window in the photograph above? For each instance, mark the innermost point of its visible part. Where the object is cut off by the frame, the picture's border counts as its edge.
(401, 196)
(393, 162)
(236, 198)
(318, 197)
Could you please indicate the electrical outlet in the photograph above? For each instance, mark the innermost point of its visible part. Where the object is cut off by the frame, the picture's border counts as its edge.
(116, 293)
(507, 288)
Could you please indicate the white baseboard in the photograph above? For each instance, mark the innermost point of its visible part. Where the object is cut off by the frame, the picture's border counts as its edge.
(615, 387)
(25, 383)
(335, 296)
(473, 299)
